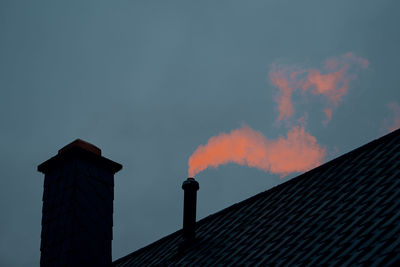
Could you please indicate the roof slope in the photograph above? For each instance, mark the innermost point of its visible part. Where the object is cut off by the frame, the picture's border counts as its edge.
(346, 211)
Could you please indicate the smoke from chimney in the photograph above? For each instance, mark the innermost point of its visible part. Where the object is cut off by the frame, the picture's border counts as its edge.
(332, 83)
(298, 152)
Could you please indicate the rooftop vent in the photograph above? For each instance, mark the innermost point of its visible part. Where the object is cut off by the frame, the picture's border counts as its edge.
(190, 187)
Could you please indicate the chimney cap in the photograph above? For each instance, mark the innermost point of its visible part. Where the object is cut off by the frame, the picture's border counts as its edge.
(81, 149)
(81, 144)
(190, 183)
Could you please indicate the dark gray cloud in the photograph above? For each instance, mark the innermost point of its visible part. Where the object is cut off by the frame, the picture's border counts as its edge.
(149, 81)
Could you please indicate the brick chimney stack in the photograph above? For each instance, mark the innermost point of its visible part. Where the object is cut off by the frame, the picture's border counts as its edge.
(77, 215)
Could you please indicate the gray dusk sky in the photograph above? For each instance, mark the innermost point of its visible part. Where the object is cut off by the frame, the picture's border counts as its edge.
(149, 81)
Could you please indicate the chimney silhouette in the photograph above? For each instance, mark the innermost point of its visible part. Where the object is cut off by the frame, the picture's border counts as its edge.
(190, 187)
(77, 214)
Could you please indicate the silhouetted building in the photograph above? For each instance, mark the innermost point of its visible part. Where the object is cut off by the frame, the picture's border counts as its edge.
(344, 212)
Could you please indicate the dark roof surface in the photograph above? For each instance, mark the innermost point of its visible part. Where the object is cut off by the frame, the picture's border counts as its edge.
(346, 211)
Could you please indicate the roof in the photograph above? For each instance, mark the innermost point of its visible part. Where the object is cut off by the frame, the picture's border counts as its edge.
(346, 211)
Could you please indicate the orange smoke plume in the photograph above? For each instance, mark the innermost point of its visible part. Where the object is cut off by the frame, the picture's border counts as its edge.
(298, 152)
(285, 106)
(328, 114)
(333, 84)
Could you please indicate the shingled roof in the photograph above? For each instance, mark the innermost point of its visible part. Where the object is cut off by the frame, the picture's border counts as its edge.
(346, 211)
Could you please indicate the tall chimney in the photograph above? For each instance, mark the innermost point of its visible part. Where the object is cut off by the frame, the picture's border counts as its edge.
(190, 187)
(77, 214)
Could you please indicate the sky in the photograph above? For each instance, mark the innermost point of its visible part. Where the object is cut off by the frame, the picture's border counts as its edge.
(152, 83)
